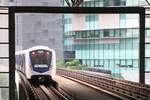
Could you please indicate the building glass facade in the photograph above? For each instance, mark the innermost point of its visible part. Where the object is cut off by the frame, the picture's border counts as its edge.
(107, 41)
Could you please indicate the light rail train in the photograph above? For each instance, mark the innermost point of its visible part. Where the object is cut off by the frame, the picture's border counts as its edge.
(36, 63)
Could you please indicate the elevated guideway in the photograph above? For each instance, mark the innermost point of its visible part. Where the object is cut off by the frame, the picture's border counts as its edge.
(26, 90)
(119, 88)
(80, 91)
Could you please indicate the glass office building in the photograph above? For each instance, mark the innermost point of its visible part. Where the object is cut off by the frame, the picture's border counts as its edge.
(106, 41)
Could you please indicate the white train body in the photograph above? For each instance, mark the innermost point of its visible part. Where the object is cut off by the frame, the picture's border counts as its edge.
(38, 61)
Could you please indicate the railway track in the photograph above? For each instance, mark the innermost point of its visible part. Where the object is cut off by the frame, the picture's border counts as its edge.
(42, 91)
(48, 93)
(121, 88)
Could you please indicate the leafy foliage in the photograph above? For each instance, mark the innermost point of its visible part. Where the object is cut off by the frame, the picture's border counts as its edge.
(60, 63)
(75, 65)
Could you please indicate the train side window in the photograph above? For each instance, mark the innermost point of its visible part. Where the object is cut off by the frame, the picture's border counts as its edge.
(23, 60)
(17, 60)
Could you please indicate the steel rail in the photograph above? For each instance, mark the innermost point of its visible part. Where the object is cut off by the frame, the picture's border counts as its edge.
(52, 93)
(42, 92)
(66, 93)
(49, 93)
(125, 88)
(39, 91)
(25, 89)
(31, 92)
(59, 94)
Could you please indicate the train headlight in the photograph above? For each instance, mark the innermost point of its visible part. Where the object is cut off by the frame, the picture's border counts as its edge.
(47, 53)
(33, 53)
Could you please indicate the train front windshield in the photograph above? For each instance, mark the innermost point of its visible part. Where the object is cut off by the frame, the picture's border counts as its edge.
(41, 58)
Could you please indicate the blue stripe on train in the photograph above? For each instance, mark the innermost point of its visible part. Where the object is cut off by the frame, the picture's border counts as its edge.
(41, 70)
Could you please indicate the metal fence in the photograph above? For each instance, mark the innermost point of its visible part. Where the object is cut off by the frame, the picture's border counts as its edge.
(121, 87)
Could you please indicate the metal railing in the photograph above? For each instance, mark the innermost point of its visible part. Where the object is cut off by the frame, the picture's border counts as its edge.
(122, 87)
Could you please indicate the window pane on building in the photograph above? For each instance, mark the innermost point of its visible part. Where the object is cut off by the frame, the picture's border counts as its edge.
(4, 94)
(4, 50)
(4, 65)
(4, 79)
(4, 21)
(3, 35)
(147, 50)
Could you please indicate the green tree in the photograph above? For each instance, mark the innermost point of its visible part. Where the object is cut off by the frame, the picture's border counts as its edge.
(60, 63)
(75, 65)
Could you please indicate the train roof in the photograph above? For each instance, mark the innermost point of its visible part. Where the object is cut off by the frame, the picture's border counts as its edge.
(33, 48)
(39, 47)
